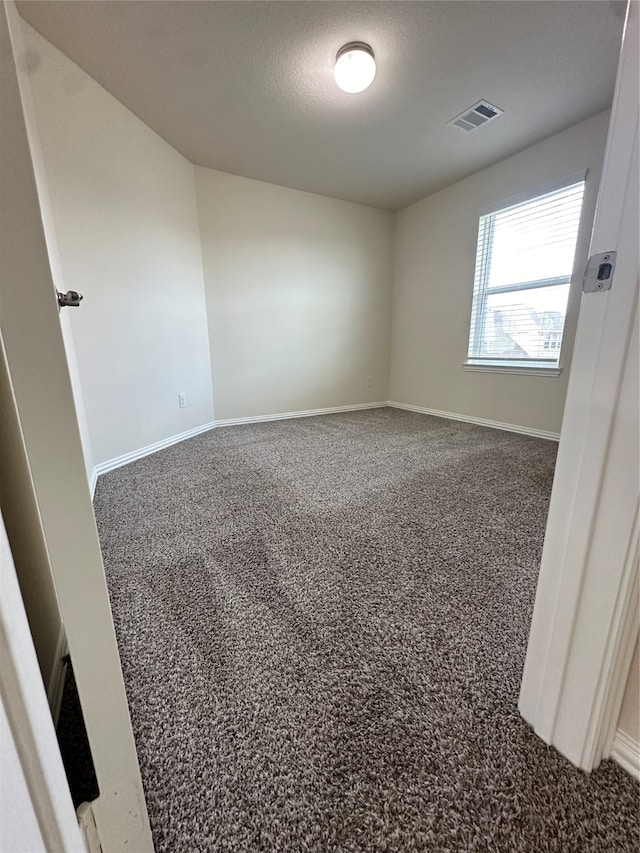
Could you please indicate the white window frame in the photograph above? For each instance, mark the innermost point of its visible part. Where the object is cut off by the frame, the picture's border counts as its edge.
(534, 367)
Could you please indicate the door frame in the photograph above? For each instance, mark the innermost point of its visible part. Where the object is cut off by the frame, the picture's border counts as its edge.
(585, 619)
(43, 412)
(29, 718)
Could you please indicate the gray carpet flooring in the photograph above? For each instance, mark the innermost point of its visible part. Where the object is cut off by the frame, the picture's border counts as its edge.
(322, 625)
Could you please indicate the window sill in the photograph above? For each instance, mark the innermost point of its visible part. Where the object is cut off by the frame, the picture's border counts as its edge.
(518, 370)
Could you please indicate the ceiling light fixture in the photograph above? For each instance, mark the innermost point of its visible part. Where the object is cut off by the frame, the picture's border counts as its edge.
(355, 67)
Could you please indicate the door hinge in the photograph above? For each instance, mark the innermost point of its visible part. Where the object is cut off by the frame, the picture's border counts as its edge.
(599, 272)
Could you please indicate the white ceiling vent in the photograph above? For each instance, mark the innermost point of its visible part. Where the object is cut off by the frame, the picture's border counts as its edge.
(476, 116)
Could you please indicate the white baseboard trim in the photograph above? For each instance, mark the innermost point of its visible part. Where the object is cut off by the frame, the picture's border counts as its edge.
(626, 752)
(56, 679)
(93, 479)
(119, 461)
(536, 433)
(126, 458)
(307, 413)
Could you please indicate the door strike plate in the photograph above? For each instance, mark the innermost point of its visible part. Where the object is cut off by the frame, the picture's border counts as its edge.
(599, 272)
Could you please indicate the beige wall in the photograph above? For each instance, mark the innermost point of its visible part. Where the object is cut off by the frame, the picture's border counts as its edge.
(629, 721)
(298, 297)
(294, 310)
(74, 373)
(433, 286)
(124, 215)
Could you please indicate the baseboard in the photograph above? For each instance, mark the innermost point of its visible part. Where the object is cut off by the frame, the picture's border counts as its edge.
(536, 433)
(93, 479)
(626, 752)
(307, 413)
(56, 679)
(126, 458)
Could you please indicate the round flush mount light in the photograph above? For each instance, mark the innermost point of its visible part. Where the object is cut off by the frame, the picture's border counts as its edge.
(355, 67)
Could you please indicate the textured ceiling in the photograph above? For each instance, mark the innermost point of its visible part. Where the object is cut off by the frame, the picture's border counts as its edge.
(247, 87)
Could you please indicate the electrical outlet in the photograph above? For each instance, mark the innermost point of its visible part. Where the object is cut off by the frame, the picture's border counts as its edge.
(369, 381)
(182, 401)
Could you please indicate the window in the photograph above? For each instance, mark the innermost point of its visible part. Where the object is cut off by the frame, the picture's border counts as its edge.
(523, 270)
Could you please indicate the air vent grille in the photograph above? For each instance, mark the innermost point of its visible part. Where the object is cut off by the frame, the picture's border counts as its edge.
(476, 116)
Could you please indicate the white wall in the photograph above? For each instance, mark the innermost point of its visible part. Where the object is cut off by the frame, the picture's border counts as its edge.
(298, 296)
(74, 369)
(433, 286)
(124, 215)
(294, 311)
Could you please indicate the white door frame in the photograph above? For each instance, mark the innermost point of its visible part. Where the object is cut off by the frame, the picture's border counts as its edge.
(47, 800)
(585, 616)
(42, 401)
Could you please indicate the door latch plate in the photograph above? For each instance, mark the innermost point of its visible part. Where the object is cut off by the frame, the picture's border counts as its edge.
(599, 272)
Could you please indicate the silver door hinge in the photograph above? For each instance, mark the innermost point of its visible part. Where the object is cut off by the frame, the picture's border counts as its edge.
(599, 272)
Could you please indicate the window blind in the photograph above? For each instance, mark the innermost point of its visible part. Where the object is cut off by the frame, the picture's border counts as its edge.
(523, 269)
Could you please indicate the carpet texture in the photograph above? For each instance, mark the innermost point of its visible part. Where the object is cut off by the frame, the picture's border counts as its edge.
(322, 625)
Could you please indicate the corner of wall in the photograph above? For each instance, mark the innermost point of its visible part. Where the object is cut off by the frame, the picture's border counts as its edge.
(392, 303)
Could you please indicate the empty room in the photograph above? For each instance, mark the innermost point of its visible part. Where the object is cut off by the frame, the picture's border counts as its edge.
(319, 430)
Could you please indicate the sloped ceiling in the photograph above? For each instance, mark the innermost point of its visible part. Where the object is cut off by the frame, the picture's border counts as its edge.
(247, 87)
